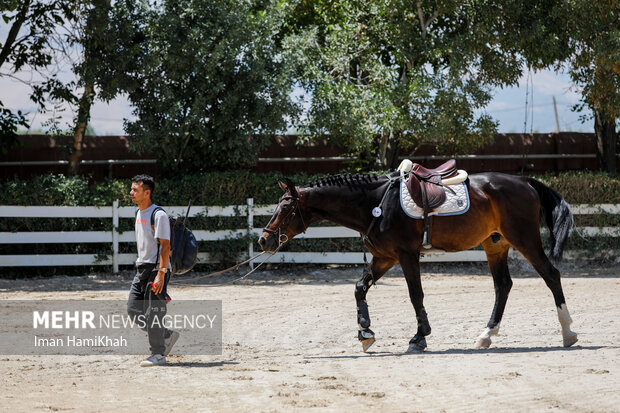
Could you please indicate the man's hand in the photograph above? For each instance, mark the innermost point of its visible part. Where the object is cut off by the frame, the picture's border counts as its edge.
(158, 282)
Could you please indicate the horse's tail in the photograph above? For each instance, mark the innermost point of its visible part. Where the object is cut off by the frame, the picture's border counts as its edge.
(558, 217)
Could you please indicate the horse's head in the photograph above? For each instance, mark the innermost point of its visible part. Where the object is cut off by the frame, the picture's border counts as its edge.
(287, 220)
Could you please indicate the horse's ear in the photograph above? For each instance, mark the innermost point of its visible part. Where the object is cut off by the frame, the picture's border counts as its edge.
(291, 187)
(282, 185)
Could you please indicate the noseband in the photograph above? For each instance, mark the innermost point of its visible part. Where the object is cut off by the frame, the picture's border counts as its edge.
(282, 238)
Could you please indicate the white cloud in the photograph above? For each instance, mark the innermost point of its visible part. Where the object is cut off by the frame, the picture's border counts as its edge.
(549, 83)
(509, 104)
(107, 118)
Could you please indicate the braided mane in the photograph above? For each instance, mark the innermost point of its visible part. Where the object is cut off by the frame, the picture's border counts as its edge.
(344, 179)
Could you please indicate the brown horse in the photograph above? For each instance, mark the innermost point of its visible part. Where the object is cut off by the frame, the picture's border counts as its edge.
(505, 211)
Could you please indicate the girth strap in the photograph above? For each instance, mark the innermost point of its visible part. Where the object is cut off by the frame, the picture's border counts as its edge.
(428, 220)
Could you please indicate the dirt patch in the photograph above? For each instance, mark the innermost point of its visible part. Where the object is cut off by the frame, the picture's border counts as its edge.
(290, 343)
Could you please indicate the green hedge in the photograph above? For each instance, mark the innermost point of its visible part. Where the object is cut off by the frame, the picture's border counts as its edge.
(216, 188)
(585, 187)
(234, 187)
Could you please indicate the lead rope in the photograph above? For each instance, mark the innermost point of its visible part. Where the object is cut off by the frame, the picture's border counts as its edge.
(236, 267)
(282, 239)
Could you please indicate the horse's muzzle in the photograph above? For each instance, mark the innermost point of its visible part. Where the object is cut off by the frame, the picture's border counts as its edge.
(268, 242)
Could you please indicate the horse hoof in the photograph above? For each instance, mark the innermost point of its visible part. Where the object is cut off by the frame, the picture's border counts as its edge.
(570, 339)
(483, 342)
(415, 348)
(417, 344)
(366, 344)
(367, 337)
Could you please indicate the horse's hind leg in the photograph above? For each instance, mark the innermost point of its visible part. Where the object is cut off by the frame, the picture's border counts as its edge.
(377, 268)
(496, 249)
(551, 275)
(532, 250)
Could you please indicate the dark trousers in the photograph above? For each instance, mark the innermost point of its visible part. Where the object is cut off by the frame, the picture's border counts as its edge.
(152, 307)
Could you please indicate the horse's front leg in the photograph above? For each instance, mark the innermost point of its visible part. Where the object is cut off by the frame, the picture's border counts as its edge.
(410, 262)
(371, 274)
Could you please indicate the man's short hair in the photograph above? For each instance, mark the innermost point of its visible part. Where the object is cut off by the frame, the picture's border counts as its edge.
(147, 181)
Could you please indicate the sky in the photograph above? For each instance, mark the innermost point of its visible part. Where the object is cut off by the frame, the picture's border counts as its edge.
(508, 105)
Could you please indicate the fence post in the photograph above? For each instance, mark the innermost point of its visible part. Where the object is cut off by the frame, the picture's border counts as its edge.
(250, 202)
(115, 236)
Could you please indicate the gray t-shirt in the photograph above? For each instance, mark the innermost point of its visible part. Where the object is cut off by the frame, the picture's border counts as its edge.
(146, 236)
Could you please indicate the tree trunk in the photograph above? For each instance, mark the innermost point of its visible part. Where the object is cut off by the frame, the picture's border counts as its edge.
(606, 142)
(392, 153)
(90, 40)
(7, 47)
(387, 156)
(80, 127)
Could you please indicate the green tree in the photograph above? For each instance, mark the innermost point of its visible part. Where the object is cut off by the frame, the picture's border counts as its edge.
(31, 25)
(593, 62)
(104, 37)
(100, 48)
(95, 39)
(392, 74)
(581, 37)
(210, 83)
(88, 34)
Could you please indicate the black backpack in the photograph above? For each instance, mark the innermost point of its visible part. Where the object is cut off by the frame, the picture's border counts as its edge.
(183, 244)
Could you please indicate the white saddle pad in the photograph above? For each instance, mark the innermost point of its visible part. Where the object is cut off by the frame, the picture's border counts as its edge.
(455, 204)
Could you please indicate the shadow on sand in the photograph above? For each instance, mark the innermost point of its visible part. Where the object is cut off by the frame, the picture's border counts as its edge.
(453, 351)
(201, 364)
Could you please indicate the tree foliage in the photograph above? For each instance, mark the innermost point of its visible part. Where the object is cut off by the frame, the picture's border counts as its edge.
(593, 61)
(581, 37)
(209, 83)
(210, 80)
(412, 72)
(407, 72)
(91, 35)
(30, 26)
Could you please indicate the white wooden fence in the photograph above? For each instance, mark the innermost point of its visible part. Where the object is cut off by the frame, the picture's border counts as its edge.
(115, 213)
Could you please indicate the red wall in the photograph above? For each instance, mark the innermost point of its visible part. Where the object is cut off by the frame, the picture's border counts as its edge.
(47, 148)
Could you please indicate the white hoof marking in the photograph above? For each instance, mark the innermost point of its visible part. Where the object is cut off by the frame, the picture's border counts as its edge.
(570, 340)
(483, 342)
(569, 336)
(484, 339)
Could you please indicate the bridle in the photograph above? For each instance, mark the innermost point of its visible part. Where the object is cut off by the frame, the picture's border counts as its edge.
(286, 221)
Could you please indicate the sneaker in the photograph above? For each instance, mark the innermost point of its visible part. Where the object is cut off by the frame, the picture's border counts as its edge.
(170, 342)
(154, 360)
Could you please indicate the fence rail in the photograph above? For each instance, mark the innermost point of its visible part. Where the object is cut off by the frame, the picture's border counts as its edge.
(116, 212)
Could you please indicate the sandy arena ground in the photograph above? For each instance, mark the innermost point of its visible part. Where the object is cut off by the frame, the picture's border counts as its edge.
(290, 344)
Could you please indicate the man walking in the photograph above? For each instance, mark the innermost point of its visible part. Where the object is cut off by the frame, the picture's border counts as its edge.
(148, 290)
